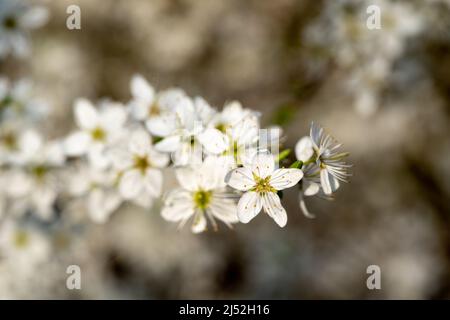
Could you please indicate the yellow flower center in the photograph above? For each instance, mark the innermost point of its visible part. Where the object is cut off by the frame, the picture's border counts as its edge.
(10, 22)
(202, 199)
(98, 134)
(154, 110)
(222, 127)
(263, 185)
(21, 239)
(141, 163)
(9, 140)
(39, 171)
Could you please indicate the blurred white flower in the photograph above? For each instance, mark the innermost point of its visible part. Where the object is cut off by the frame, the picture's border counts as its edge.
(96, 187)
(34, 181)
(22, 246)
(238, 143)
(18, 103)
(261, 181)
(231, 114)
(329, 160)
(202, 195)
(17, 18)
(155, 109)
(322, 165)
(183, 141)
(365, 56)
(138, 167)
(98, 130)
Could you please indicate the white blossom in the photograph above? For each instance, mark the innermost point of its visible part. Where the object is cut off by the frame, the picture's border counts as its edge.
(261, 182)
(96, 187)
(98, 129)
(138, 166)
(203, 195)
(16, 20)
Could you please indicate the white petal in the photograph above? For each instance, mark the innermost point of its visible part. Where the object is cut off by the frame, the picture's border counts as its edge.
(34, 17)
(30, 143)
(310, 188)
(77, 144)
(113, 118)
(140, 142)
(131, 183)
(153, 182)
(304, 149)
(121, 159)
(86, 115)
(102, 204)
(303, 207)
(161, 126)
(199, 223)
(202, 108)
(240, 179)
(178, 206)
(224, 210)
(249, 206)
(187, 178)
(143, 199)
(169, 144)
(43, 203)
(213, 141)
(138, 109)
(97, 157)
(141, 89)
(158, 160)
(272, 206)
(263, 164)
(325, 181)
(285, 178)
(19, 183)
(20, 45)
(212, 173)
(330, 180)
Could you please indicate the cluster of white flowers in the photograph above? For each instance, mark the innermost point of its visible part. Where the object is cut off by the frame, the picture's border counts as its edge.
(17, 19)
(227, 167)
(118, 152)
(366, 55)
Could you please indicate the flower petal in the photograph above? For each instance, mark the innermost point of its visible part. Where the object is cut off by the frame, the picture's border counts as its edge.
(77, 144)
(304, 149)
(158, 160)
(138, 109)
(249, 206)
(199, 223)
(310, 188)
(240, 179)
(161, 126)
(325, 177)
(86, 115)
(187, 178)
(153, 182)
(140, 142)
(178, 206)
(272, 206)
(131, 183)
(224, 209)
(102, 204)
(285, 178)
(169, 144)
(263, 164)
(113, 118)
(213, 141)
(303, 207)
(141, 89)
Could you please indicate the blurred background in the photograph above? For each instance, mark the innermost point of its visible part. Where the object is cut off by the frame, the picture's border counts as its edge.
(384, 94)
